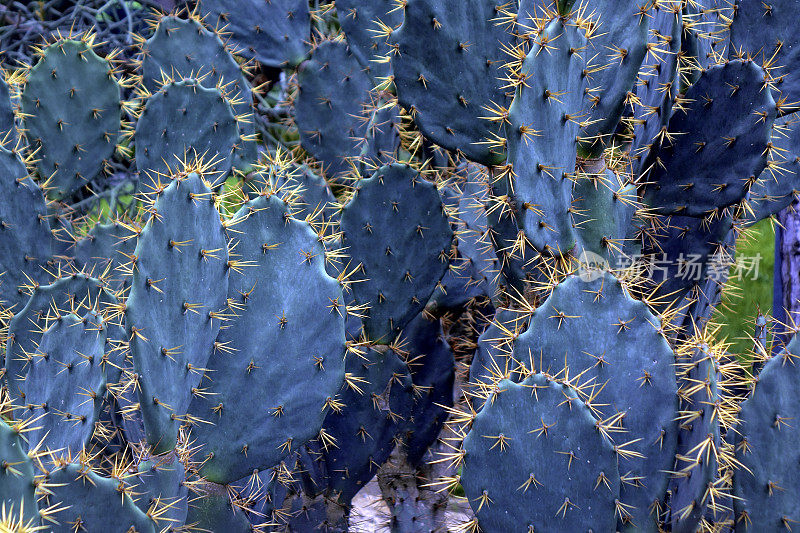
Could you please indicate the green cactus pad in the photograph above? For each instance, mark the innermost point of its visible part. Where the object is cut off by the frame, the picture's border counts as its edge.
(72, 112)
(270, 347)
(774, 191)
(75, 293)
(705, 165)
(603, 209)
(493, 357)
(186, 49)
(479, 269)
(381, 141)
(8, 131)
(66, 382)
(698, 439)
(275, 33)
(17, 488)
(447, 64)
(535, 461)
(210, 509)
(615, 344)
(183, 119)
(766, 486)
(364, 24)
(312, 198)
(372, 419)
(513, 253)
(178, 290)
(102, 252)
(617, 46)
(333, 91)
(683, 253)
(542, 136)
(396, 228)
(432, 367)
(766, 31)
(92, 502)
(160, 485)
(657, 83)
(26, 242)
(707, 31)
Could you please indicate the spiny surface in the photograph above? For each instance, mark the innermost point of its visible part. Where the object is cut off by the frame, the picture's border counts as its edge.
(286, 345)
(451, 80)
(178, 291)
(71, 104)
(535, 461)
(66, 382)
(595, 330)
(181, 121)
(396, 228)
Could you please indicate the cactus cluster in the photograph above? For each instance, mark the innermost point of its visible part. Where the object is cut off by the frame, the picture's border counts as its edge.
(277, 250)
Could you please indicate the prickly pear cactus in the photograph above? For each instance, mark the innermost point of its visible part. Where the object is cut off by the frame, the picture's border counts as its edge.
(276, 33)
(271, 347)
(26, 242)
(8, 135)
(162, 489)
(377, 400)
(699, 441)
(66, 381)
(548, 99)
(367, 26)
(453, 79)
(103, 251)
(85, 500)
(77, 293)
(72, 111)
(186, 49)
(399, 213)
(184, 121)
(333, 90)
(685, 176)
(595, 330)
(762, 30)
(617, 46)
(17, 483)
(176, 302)
(535, 448)
(766, 485)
